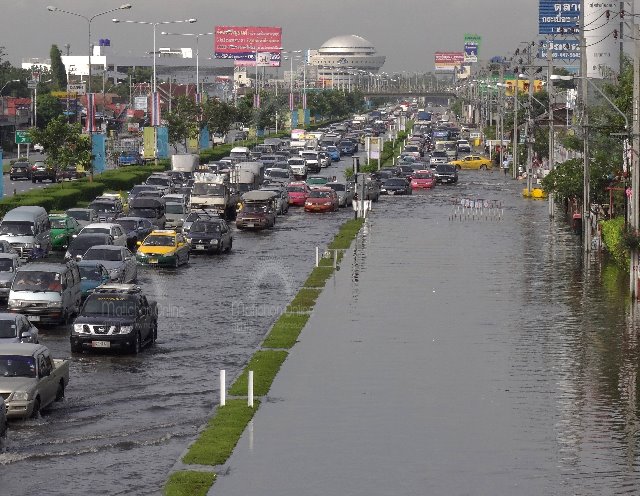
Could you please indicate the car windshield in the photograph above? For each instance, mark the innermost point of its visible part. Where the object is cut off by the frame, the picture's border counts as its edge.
(159, 181)
(104, 206)
(96, 230)
(254, 207)
(141, 187)
(90, 273)
(58, 223)
(319, 194)
(208, 189)
(109, 305)
(279, 173)
(36, 280)
(332, 149)
(16, 228)
(128, 225)
(423, 175)
(439, 153)
(147, 213)
(79, 214)
(174, 208)
(102, 254)
(6, 265)
(205, 227)
(296, 162)
(445, 168)
(8, 328)
(337, 187)
(317, 180)
(17, 366)
(192, 217)
(160, 240)
(394, 182)
(83, 243)
(295, 189)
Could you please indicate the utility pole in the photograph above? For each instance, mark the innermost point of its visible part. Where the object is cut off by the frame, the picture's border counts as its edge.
(515, 127)
(635, 161)
(501, 114)
(551, 122)
(584, 90)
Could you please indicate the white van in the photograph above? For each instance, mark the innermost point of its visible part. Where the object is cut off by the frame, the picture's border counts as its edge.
(240, 154)
(46, 292)
(28, 230)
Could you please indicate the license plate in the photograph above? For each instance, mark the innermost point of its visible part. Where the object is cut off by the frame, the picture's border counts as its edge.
(153, 260)
(100, 344)
(251, 225)
(33, 318)
(199, 247)
(391, 192)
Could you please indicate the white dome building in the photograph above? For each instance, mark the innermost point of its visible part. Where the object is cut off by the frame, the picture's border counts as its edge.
(342, 57)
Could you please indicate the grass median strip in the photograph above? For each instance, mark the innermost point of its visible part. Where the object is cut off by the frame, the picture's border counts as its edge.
(265, 365)
(304, 301)
(285, 332)
(189, 483)
(221, 435)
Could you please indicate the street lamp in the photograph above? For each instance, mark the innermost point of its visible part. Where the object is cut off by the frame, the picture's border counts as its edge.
(197, 35)
(125, 6)
(10, 81)
(155, 25)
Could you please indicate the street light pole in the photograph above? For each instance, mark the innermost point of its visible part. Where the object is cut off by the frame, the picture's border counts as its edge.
(197, 35)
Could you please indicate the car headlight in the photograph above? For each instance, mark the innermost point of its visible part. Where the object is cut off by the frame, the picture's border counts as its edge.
(213, 242)
(78, 328)
(54, 304)
(114, 272)
(67, 255)
(126, 329)
(20, 396)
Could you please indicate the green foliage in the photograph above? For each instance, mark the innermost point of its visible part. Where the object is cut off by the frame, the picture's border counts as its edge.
(65, 144)
(189, 483)
(613, 239)
(565, 180)
(58, 71)
(182, 121)
(218, 116)
(216, 443)
(49, 107)
(265, 365)
(286, 330)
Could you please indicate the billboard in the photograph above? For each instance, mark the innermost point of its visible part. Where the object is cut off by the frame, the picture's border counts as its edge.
(558, 17)
(566, 49)
(470, 52)
(243, 44)
(448, 61)
(603, 49)
(523, 86)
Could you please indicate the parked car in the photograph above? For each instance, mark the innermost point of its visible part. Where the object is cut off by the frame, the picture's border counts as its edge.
(40, 171)
(92, 275)
(16, 328)
(84, 216)
(63, 229)
(135, 229)
(345, 192)
(163, 247)
(210, 235)
(118, 260)
(395, 186)
(321, 199)
(446, 173)
(9, 264)
(72, 172)
(473, 162)
(115, 316)
(114, 230)
(20, 170)
(42, 379)
(81, 243)
(424, 179)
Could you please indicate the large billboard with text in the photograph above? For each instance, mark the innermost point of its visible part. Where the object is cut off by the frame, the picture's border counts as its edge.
(245, 44)
(448, 61)
(558, 17)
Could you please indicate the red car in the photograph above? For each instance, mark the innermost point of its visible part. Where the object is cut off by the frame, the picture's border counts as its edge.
(322, 200)
(298, 193)
(424, 179)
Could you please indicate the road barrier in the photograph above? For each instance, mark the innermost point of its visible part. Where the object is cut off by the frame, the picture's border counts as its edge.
(476, 209)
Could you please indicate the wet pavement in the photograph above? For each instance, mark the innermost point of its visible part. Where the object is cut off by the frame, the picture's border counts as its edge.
(126, 419)
(455, 356)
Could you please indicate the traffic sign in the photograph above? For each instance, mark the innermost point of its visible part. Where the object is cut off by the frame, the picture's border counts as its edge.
(32, 84)
(78, 89)
(22, 137)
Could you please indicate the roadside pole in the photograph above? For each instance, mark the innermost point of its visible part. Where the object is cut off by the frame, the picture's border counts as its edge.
(515, 129)
(551, 126)
(635, 162)
(584, 90)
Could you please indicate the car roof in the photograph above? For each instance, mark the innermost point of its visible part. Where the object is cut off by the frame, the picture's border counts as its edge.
(89, 263)
(107, 247)
(80, 210)
(128, 218)
(100, 224)
(21, 349)
(163, 232)
(43, 266)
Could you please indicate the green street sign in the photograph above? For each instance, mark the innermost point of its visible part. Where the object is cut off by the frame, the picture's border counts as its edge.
(522, 139)
(22, 137)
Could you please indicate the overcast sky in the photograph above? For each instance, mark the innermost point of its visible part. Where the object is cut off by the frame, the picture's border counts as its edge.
(407, 32)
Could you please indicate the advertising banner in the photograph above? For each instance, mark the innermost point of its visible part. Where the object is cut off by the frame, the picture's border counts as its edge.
(162, 141)
(90, 124)
(245, 44)
(470, 52)
(205, 138)
(448, 61)
(294, 121)
(374, 148)
(603, 49)
(555, 17)
(567, 49)
(149, 142)
(140, 103)
(473, 39)
(523, 86)
(98, 151)
(192, 145)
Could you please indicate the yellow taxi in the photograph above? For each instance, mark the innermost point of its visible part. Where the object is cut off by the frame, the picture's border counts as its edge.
(473, 162)
(163, 247)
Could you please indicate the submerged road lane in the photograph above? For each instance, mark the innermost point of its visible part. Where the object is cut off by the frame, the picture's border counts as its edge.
(471, 357)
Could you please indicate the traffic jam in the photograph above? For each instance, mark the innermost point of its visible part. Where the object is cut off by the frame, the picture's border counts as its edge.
(78, 270)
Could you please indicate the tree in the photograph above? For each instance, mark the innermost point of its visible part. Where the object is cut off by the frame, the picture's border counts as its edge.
(65, 144)
(183, 121)
(49, 107)
(58, 71)
(244, 109)
(218, 116)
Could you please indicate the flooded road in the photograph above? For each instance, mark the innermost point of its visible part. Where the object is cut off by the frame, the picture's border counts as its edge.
(557, 342)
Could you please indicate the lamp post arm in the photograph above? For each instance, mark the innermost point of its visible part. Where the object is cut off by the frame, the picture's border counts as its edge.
(626, 120)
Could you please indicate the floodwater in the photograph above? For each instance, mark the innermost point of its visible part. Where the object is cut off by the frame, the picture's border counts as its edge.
(127, 419)
(562, 336)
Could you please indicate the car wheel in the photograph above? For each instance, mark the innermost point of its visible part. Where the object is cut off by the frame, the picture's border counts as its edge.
(483, 167)
(36, 408)
(33, 181)
(60, 391)
(136, 346)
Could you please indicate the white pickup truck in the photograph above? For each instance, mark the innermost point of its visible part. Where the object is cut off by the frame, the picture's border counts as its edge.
(30, 380)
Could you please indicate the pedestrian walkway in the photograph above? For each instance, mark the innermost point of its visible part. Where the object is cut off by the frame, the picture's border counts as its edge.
(397, 386)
